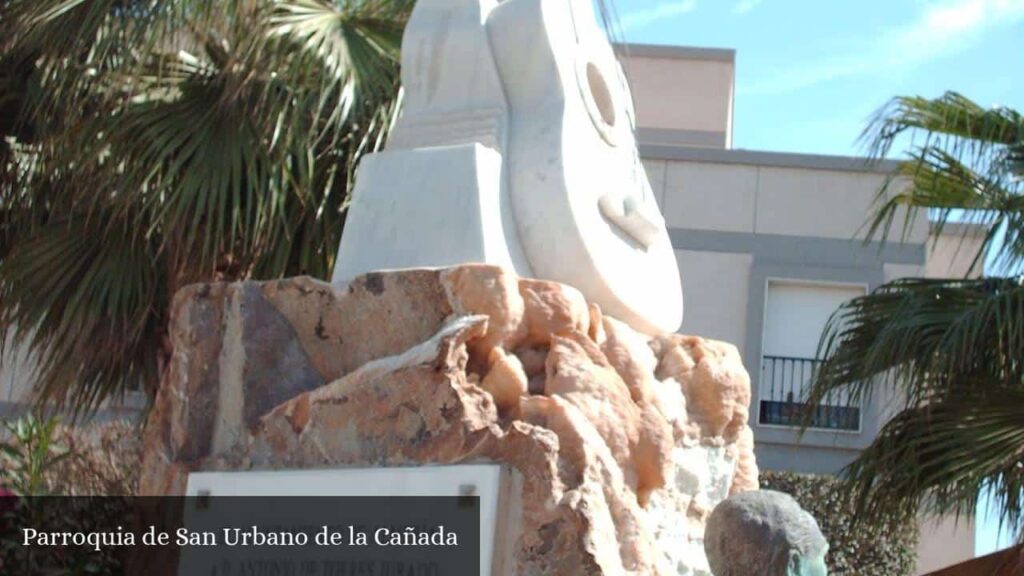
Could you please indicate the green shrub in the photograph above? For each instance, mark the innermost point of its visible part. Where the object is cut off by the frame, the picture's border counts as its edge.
(44, 457)
(29, 453)
(862, 550)
(41, 458)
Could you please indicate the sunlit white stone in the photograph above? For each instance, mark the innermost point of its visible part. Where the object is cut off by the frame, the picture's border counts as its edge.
(527, 143)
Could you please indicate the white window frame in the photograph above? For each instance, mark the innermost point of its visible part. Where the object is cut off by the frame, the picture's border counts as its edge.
(764, 327)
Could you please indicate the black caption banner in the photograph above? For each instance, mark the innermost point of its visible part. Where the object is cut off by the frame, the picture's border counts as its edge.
(241, 536)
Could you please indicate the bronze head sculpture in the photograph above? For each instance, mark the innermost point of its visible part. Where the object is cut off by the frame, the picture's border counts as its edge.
(764, 532)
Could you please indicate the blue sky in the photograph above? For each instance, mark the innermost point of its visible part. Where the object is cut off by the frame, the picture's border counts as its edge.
(809, 74)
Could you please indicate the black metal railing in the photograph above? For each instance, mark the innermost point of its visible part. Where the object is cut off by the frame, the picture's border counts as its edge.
(784, 385)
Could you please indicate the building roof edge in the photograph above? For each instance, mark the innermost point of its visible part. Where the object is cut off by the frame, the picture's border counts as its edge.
(678, 52)
(962, 229)
(765, 158)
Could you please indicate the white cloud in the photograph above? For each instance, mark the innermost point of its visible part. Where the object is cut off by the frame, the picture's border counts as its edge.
(744, 6)
(940, 30)
(645, 17)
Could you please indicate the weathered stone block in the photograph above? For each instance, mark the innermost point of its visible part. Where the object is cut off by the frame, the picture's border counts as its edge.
(624, 442)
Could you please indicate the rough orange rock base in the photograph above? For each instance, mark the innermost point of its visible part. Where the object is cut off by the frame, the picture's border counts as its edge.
(624, 441)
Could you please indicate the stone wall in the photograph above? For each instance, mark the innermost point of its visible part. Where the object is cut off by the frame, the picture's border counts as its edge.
(624, 441)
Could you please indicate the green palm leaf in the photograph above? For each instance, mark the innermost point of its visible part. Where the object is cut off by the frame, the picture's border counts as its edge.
(951, 351)
(939, 456)
(97, 320)
(173, 142)
(966, 159)
(932, 336)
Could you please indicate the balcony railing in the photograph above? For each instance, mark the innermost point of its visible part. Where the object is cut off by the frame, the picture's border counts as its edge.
(784, 385)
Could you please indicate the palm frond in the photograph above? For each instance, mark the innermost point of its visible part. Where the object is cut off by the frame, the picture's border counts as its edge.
(937, 457)
(936, 181)
(953, 122)
(929, 336)
(189, 141)
(356, 42)
(964, 161)
(353, 49)
(90, 303)
(198, 166)
(952, 351)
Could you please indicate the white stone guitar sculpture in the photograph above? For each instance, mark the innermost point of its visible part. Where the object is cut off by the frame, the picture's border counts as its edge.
(516, 147)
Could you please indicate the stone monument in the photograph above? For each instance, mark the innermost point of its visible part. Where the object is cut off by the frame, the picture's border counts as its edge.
(505, 294)
(766, 532)
(621, 443)
(529, 146)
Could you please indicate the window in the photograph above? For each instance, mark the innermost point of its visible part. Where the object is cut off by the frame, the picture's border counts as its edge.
(795, 316)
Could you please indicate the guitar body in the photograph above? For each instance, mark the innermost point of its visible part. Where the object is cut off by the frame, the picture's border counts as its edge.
(583, 205)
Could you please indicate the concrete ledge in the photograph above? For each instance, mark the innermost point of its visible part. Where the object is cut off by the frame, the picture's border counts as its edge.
(961, 229)
(762, 158)
(803, 250)
(804, 457)
(676, 137)
(676, 52)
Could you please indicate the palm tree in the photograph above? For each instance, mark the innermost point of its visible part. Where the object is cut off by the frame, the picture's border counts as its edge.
(953, 348)
(148, 144)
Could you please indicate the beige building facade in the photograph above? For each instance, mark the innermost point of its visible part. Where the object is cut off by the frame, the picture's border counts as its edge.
(769, 245)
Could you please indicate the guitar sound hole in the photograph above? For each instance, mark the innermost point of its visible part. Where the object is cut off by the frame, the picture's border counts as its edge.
(601, 93)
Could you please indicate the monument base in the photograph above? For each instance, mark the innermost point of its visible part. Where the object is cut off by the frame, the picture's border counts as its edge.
(404, 204)
(624, 442)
